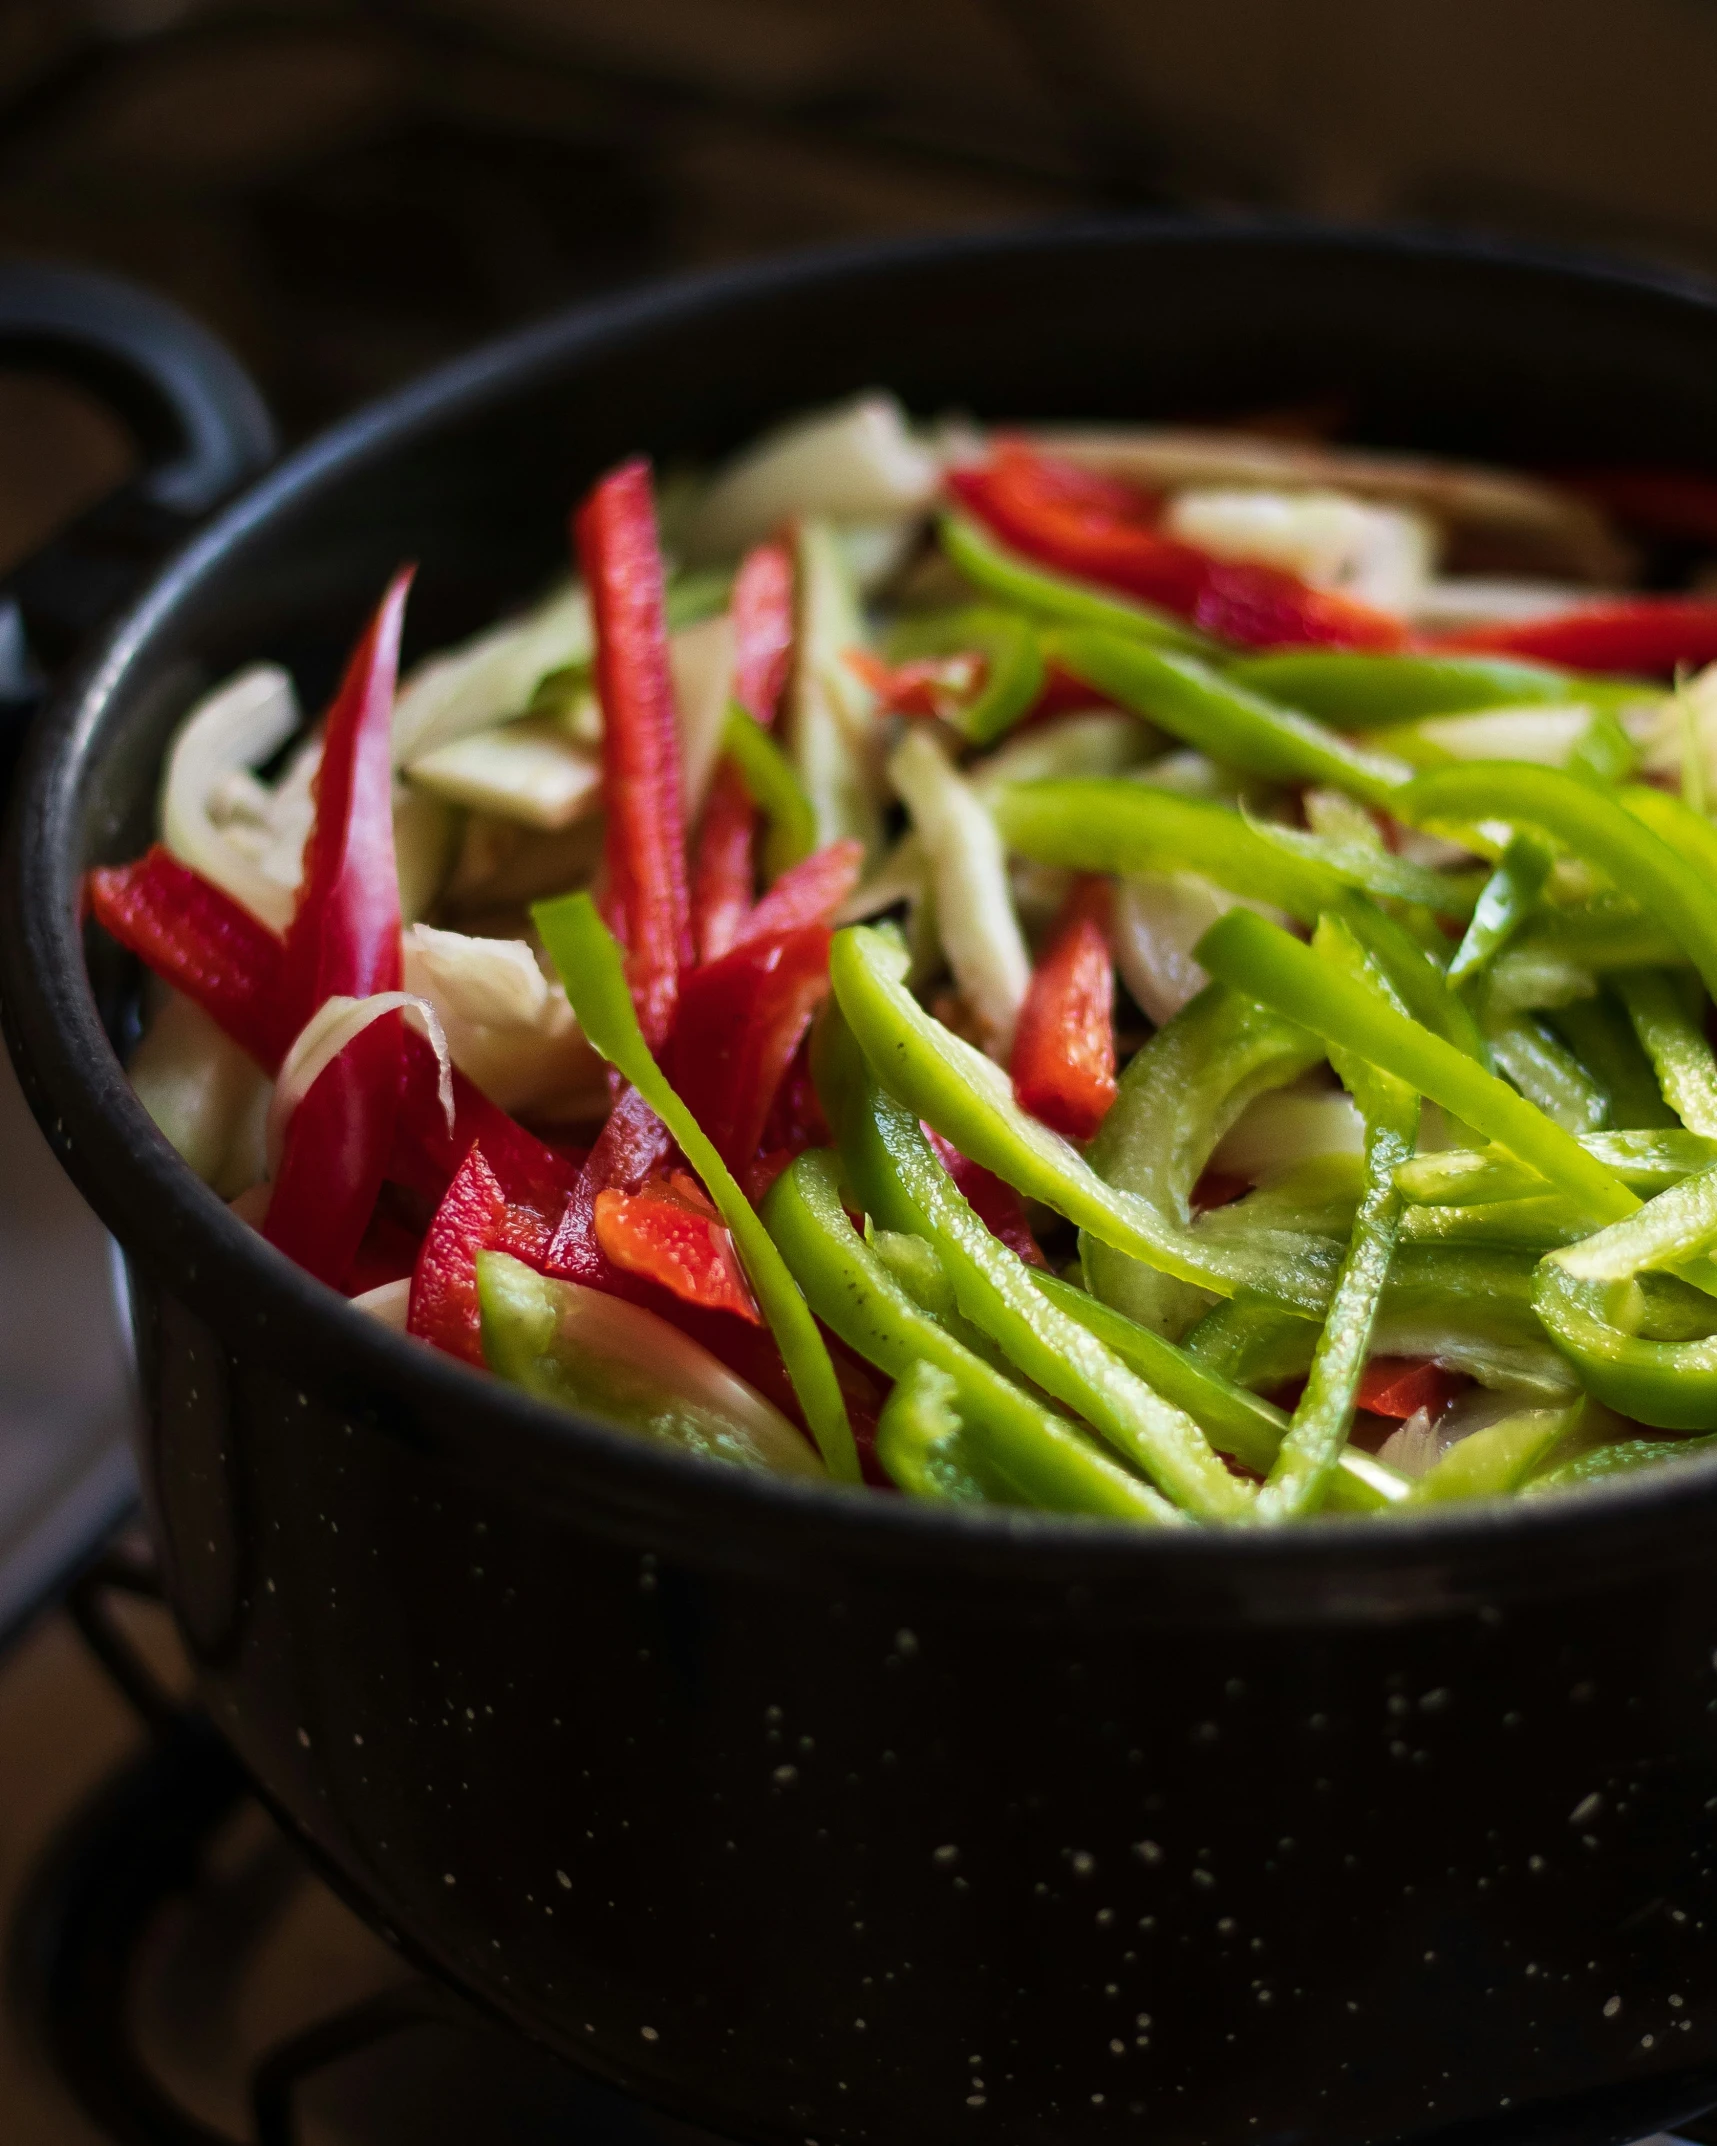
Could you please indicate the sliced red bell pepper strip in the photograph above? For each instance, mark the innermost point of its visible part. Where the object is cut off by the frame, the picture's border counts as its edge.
(995, 1203)
(197, 938)
(725, 879)
(741, 1022)
(942, 686)
(1103, 531)
(1648, 634)
(808, 892)
(1402, 1385)
(671, 1234)
(344, 940)
(762, 630)
(644, 857)
(388, 1253)
(630, 1148)
(426, 1153)
(1063, 1062)
(474, 1216)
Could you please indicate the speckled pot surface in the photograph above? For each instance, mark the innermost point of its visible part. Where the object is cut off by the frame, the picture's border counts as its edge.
(821, 1817)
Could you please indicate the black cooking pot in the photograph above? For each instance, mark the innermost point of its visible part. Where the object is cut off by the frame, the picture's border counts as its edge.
(830, 1817)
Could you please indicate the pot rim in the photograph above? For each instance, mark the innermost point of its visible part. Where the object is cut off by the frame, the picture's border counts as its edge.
(184, 1234)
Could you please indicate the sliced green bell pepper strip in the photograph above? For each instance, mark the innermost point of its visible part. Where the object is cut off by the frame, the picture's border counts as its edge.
(774, 788)
(1549, 1077)
(1497, 1460)
(1379, 871)
(996, 571)
(538, 1334)
(1260, 959)
(1606, 834)
(1356, 691)
(1589, 1298)
(1311, 1448)
(1625, 1457)
(590, 969)
(943, 1080)
(896, 1173)
(921, 1442)
(1538, 1223)
(1013, 662)
(1674, 1041)
(1049, 1462)
(1509, 898)
(1646, 1162)
(1210, 709)
(1414, 977)
(1598, 1031)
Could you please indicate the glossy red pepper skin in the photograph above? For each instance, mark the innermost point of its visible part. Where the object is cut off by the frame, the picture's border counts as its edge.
(1648, 634)
(426, 1153)
(644, 858)
(388, 1252)
(1400, 1386)
(807, 893)
(762, 607)
(724, 881)
(1102, 531)
(198, 939)
(741, 1022)
(474, 1216)
(1063, 1062)
(995, 1203)
(344, 940)
(669, 1233)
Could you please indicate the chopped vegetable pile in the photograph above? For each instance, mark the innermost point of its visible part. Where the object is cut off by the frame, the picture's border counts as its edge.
(1154, 974)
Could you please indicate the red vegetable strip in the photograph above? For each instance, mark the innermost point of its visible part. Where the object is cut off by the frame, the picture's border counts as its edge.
(630, 1147)
(1402, 1385)
(808, 892)
(725, 879)
(762, 630)
(741, 1022)
(669, 1233)
(474, 1216)
(199, 940)
(927, 685)
(344, 936)
(1650, 634)
(645, 854)
(1064, 1048)
(1098, 530)
(337, 1145)
(426, 1155)
(995, 1203)
(344, 940)
(388, 1253)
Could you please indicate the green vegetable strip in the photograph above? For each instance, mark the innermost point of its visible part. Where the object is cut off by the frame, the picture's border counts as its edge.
(1594, 827)
(944, 1080)
(1361, 692)
(1623, 1458)
(896, 1173)
(774, 789)
(1049, 1461)
(1377, 870)
(1034, 589)
(1646, 1162)
(1549, 1077)
(1675, 1043)
(1105, 824)
(1492, 1462)
(920, 1441)
(1303, 1468)
(1210, 710)
(1599, 1033)
(1258, 958)
(1509, 898)
(590, 969)
(1414, 977)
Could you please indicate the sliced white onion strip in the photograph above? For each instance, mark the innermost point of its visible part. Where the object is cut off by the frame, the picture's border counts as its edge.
(388, 1302)
(239, 726)
(336, 1023)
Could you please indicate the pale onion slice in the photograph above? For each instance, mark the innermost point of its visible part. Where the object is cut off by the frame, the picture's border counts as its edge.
(490, 678)
(701, 660)
(1677, 735)
(1376, 554)
(388, 1302)
(900, 877)
(1546, 736)
(1159, 918)
(1278, 1130)
(856, 463)
(830, 727)
(606, 1329)
(234, 730)
(529, 771)
(1097, 741)
(203, 1093)
(509, 1029)
(335, 1023)
(1462, 601)
(968, 874)
(876, 551)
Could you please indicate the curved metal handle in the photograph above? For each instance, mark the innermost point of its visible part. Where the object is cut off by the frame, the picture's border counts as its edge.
(198, 418)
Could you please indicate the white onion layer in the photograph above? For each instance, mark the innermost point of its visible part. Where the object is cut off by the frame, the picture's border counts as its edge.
(337, 1022)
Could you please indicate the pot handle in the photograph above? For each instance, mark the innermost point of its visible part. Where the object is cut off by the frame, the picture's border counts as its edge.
(201, 425)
